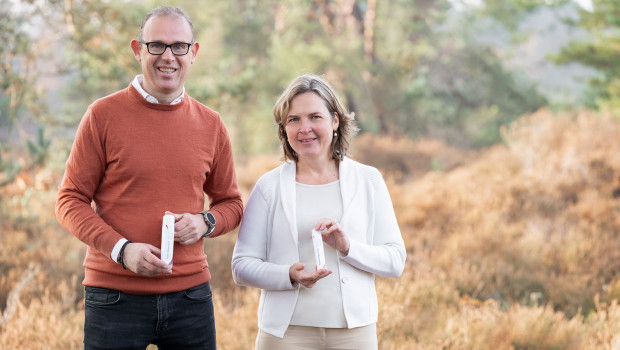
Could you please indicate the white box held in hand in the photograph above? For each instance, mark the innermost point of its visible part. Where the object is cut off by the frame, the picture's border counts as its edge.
(319, 251)
(167, 239)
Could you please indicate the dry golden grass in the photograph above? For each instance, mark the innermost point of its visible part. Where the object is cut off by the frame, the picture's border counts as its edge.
(403, 159)
(513, 247)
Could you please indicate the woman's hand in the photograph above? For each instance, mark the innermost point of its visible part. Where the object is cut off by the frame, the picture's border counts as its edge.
(297, 274)
(333, 235)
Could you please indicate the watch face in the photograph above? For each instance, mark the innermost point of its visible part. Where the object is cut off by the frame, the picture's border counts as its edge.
(210, 221)
(210, 218)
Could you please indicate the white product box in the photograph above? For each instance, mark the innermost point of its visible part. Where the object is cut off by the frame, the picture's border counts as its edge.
(167, 239)
(319, 251)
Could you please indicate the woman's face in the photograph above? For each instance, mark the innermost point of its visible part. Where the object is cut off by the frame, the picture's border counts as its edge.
(309, 127)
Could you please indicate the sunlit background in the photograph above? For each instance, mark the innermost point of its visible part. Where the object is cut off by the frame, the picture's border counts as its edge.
(494, 123)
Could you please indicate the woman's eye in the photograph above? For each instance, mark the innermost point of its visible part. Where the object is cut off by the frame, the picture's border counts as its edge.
(290, 120)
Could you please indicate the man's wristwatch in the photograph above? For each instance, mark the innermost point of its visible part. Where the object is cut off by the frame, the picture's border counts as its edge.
(210, 221)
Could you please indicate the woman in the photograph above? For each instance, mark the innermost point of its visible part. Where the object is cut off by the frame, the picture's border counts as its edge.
(317, 188)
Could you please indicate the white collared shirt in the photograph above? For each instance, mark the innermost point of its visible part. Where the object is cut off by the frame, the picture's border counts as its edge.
(137, 83)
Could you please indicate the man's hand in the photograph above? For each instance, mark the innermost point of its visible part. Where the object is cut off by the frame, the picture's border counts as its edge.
(297, 274)
(143, 259)
(188, 228)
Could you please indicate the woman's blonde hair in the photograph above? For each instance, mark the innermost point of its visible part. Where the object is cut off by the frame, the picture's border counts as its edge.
(347, 127)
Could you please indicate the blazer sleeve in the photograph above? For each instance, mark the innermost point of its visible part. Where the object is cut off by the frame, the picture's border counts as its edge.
(249, 262)
(386, 255)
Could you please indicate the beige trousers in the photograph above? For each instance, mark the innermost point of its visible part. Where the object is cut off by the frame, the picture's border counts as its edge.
(301, 337)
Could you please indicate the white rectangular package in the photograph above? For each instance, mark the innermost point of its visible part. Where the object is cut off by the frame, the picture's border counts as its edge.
(167, 239)
(319, 251)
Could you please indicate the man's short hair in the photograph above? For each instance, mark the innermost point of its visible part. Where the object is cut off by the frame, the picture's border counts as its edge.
(163, 11)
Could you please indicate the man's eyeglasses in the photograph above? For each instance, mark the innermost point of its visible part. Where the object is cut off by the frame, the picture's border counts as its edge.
(157, 48)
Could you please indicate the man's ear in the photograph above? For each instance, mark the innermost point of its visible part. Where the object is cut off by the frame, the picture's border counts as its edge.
(194, 49)
(136, 47)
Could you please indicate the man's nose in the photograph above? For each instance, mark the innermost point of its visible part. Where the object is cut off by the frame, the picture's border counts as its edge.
(168, 55)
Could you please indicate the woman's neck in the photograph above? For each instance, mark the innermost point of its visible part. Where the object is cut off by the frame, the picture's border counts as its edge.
(317, 172)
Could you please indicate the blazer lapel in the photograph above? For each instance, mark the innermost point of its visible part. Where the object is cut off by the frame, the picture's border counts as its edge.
(288, 197)
(348, 184)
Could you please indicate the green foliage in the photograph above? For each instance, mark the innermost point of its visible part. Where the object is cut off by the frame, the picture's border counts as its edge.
(510, 12)
(98, 48)
(455, 88)
(600, 51)
(254, 49)
(39, 148)
(17, 60)
(399, 65)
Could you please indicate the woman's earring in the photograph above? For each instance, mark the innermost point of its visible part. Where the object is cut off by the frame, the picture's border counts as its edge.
(335, 133)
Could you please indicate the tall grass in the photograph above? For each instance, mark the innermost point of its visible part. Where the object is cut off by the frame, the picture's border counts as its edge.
(513, 247)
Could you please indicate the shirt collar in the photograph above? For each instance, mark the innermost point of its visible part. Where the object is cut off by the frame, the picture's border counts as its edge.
(137, 83)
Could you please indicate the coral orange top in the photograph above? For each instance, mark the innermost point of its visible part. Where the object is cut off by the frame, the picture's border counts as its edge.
(130, 162)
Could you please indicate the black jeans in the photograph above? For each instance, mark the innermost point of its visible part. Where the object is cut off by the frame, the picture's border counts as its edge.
(179, 320)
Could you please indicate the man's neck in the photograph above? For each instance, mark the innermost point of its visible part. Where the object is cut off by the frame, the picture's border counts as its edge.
(163, 98)
(173, 98)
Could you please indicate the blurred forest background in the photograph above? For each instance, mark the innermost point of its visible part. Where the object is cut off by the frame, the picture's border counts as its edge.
(494, 123)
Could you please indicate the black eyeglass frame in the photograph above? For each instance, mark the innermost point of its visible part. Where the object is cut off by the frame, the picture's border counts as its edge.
(189, 46)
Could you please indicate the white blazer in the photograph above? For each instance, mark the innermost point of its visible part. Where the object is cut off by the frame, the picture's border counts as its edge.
(267, 244)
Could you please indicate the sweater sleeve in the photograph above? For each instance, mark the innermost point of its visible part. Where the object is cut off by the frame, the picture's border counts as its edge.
(249, 262)
(386, 255)
(83, 172)
(221, 187)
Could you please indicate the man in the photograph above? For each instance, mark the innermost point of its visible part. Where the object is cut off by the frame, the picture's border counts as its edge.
(140, 153)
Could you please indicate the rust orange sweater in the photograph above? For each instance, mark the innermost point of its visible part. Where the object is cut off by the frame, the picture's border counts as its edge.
(130, 162)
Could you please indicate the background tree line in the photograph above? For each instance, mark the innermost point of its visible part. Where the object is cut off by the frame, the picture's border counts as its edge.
(512, 246)
(406, 67)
